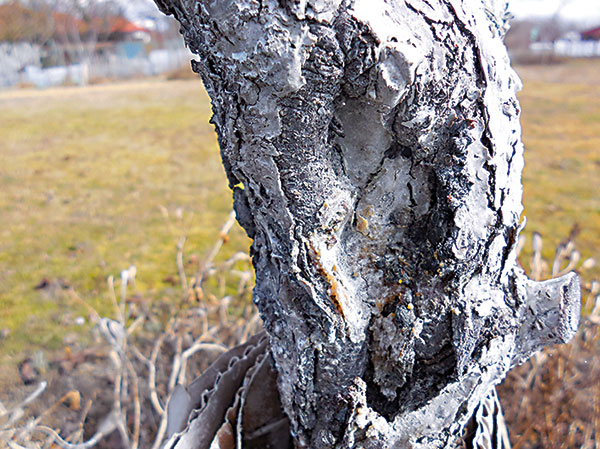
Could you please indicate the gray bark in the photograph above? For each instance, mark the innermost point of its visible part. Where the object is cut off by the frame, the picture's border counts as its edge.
(373, 148)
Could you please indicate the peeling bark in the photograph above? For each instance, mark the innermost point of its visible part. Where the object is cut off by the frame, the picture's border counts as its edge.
(373, 148)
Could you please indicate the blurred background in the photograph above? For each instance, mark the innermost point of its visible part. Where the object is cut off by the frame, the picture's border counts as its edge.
(47, 43)
(114, 206)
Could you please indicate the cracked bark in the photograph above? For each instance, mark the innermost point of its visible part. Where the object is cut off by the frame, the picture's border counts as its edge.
(373, 148)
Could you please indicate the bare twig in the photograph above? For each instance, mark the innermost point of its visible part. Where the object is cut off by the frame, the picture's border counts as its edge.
(160, 433)
(176, 363)
(152, 375)
(536, 259)
(202, 269)
(137, 410)
(75, 297)
(189, 352)
(17, 411)
(180, 267)
(84, 413)
(250, 327)
(113, 297)
(117, 407)
(104, 429)
(125, 274)
(135, 325)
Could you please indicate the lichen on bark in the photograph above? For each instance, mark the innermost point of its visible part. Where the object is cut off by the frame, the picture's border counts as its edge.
(373, 148)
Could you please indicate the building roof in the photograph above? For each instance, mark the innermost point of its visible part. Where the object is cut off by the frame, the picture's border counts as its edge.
(104, 26)
(118, 24)
(591, 34)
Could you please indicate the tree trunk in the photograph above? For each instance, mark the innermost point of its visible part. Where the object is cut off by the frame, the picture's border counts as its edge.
(373, 148)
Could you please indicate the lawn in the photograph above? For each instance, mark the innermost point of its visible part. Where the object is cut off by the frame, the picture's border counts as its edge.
(93, 180)
(561, 131)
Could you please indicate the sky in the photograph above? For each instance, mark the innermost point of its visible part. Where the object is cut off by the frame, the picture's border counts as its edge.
(586, 12)
(583, 11)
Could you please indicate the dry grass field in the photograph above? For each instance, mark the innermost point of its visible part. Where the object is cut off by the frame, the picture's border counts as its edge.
(87, 179)
(96, 179)
(561, 132)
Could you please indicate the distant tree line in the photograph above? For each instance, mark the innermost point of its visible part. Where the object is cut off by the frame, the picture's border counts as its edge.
(39, 21)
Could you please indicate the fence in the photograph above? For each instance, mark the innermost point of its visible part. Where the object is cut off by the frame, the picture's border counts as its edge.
(577, 49)
(20, 63)
(568, 48)
(13, 59)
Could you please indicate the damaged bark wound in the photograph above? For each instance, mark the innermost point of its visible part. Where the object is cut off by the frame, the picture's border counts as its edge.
(373, 148)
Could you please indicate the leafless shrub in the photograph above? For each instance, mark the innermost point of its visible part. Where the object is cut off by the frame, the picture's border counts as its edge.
(146, 358)
(553, 400)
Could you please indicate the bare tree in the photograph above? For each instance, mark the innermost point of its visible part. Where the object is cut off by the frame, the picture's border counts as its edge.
(19, 23)
(373, 148)
(79, 25)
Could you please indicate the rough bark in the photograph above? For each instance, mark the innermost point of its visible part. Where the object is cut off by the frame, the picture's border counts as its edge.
(373, 148)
